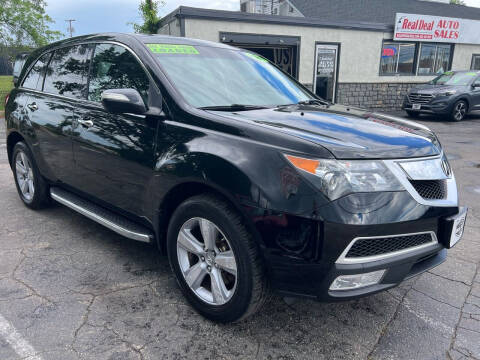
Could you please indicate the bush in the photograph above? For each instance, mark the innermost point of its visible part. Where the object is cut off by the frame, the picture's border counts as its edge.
(6, 85)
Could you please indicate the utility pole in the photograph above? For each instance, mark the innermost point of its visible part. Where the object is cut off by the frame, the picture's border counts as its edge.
(70, 28)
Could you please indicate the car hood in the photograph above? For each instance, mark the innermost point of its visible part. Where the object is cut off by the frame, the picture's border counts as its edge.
(348, 133)
(434, 89)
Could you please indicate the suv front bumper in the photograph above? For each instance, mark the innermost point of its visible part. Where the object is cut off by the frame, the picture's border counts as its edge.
(305, 254)
(291, 276)
(440, 106)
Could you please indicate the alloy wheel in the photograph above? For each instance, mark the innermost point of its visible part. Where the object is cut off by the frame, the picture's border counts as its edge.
(460, 111)
(24, 174)
(207, 261)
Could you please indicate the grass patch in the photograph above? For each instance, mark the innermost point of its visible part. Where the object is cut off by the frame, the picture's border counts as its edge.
(5, 86)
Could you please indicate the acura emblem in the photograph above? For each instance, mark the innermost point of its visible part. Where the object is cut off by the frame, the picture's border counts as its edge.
(446, 167)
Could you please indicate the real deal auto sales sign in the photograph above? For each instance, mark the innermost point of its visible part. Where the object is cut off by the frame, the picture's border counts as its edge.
(436, 29)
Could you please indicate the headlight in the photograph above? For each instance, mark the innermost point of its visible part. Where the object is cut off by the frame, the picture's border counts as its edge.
(343, 177)
(447, 93)
(429, 169)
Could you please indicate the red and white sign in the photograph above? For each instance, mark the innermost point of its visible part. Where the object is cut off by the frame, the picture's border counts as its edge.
(436, 29)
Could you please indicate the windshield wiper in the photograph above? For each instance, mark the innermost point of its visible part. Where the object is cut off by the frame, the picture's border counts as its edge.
(234, 107)
(308, 102)
(314, 102)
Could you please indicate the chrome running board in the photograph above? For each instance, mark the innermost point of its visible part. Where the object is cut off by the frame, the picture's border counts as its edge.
(104, 217)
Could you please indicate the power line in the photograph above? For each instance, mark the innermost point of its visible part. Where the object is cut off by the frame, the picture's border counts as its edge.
(70, 28)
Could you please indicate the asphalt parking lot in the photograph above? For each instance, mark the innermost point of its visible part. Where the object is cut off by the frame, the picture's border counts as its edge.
(71, 289)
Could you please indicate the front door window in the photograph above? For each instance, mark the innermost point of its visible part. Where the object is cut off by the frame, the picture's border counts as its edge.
(114, 67)
(326, 63)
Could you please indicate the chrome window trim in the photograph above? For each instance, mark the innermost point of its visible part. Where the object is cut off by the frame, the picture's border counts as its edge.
(452, 193)
(342, 259)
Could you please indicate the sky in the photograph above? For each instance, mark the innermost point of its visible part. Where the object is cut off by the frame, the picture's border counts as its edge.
(93, 16)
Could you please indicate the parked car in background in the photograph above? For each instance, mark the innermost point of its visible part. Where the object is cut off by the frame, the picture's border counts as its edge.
(246, 179)
(453, 95)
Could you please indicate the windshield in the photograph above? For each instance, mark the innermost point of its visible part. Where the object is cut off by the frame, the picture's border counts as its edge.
(452, 78)
(214, 77)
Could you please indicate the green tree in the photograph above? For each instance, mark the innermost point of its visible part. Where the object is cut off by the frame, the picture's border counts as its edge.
(149, 12)
(25, 23)
(457, 2)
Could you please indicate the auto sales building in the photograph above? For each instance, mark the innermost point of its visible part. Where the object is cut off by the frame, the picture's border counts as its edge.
(366, 53)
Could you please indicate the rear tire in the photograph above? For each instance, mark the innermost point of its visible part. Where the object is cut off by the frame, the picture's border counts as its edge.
(31, 186)
(208, 241)
(413, 114)
(459, 111)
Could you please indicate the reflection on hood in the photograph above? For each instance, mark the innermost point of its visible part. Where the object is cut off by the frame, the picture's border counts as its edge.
(347, 132)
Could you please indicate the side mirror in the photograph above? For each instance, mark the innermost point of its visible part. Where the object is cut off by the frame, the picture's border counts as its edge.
(476, 85)
(121, 101)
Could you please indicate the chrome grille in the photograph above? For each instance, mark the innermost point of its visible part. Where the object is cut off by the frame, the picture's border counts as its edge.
(366, 247)
(418, 98)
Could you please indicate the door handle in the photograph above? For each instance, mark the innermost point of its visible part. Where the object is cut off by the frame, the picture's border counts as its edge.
(33, 106)
(86, 123)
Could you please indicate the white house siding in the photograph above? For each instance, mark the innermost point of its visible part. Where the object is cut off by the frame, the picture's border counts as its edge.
(462, 57)
(359, 54)
(172, 28)
(359, 82)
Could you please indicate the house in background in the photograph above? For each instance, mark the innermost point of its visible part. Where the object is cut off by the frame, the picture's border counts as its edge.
(284, 7)
(345, 51)
(269, 7)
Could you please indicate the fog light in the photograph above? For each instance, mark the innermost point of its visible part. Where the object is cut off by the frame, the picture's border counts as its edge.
(356, 281)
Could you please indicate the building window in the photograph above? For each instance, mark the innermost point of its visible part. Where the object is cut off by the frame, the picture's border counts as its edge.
(400, 58)
(397, 58)
(433, 59)
(243, 7)
(476, 62)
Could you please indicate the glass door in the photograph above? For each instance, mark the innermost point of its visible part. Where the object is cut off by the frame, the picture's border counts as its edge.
(326, 64)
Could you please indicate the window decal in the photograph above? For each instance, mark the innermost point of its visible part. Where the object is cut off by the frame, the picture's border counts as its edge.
(389, 51)
(172, 49)
(256, 57)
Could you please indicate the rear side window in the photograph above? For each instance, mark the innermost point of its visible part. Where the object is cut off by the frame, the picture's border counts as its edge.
(114, 67)
(34, 78)
(67, 72)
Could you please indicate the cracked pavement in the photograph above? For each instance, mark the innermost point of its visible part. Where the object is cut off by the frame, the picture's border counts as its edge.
(75, 290)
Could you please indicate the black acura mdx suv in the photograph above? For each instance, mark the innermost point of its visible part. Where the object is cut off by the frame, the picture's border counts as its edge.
(243, 177)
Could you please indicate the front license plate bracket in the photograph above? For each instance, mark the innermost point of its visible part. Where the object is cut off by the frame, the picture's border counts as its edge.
(456, 227)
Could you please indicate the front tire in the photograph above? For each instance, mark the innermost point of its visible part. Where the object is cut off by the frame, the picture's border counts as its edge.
(31, 186)
(459, 111)
(215, 260)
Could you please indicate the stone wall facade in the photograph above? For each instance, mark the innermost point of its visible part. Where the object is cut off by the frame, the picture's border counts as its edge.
(375, 96)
